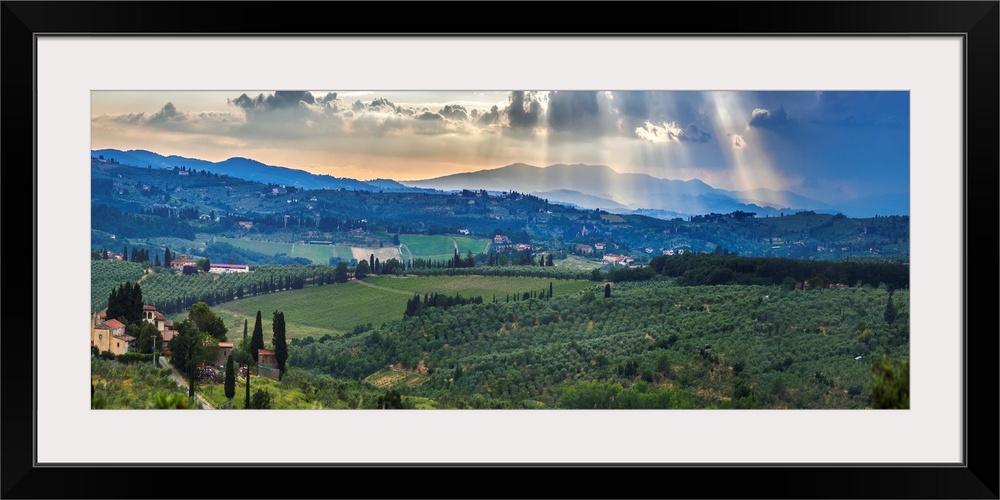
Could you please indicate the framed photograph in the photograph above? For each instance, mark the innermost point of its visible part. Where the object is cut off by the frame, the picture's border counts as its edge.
(537, 181)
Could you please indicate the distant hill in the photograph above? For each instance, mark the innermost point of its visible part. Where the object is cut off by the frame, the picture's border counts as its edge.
(600, 186)
(578, 185)
(241, 168)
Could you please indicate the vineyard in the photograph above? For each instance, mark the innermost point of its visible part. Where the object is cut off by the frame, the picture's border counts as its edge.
(106, 275)
(171, 292)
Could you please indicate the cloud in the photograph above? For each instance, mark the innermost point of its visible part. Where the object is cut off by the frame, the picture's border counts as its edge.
(490, 117)
(282, 99)
(576, 112)
(671, 132)
(763, 118)
(738, 141)
(168, 113)
(524, 110)
(455, 112)
(427, 115)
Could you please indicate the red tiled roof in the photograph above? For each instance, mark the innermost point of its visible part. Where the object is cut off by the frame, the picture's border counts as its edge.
(168, 334)
(265, 352)
(167, 322)
(224, 345)
(147, 307)
(228, 266)
(103, 315)
(114, 324)
(159, 315)
(126, 337)
(101, 327)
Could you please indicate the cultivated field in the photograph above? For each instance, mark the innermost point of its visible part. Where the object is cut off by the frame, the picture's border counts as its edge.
(335, 309)
(440, 247)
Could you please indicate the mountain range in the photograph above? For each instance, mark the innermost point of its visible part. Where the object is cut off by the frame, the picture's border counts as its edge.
(600, 186)
(579, 185)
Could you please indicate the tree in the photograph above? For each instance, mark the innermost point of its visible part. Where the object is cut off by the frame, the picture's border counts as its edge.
(548, 260)
(204, 264)
(166, 256)
(280, 343)
(362, 270)
(125, 303)
(242, 356)
(607, 290)
(261, 400)
(371, 262)
(230, 383)
(146, 336)
(189, 348)
(256, 339)
(890, 311)
(890, 384)
(340, 273)
(207, 321)
(391, 400)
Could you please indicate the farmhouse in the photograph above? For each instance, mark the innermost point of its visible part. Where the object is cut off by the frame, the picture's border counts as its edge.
(228, 268)
(182, 262)
(267, 364)
(110, 336)
(225, 350)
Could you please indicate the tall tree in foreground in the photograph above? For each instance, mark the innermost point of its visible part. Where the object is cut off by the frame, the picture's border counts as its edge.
(246, 362)
(280, 343)
(257, 339)
(230, 383)
(607, 290)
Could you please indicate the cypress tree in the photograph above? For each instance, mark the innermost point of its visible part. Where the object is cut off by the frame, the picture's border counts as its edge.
(256, 339)
(280, 343)
(230, 383)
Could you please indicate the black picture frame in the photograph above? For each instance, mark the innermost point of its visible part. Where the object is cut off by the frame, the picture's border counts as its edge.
(978, 23)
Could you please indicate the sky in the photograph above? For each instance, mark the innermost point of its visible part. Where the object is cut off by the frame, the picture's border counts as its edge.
(829, 146)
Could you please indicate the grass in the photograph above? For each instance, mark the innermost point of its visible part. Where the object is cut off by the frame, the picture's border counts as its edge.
(576, 262)
(282, 398)
(339, 308)
(317, 254)
(439, 246)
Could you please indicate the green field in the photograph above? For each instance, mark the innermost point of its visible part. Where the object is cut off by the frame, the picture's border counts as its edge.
(336, 309)
(577, 263)
(440, 247)
(317, 254)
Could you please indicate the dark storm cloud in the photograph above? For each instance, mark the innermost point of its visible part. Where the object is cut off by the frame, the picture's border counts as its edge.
(763, 118)
(282, 99)
(524, 110)
(694, 134)
(576, 112)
